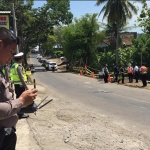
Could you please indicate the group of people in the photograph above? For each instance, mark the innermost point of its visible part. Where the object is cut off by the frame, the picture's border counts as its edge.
(132, 72)
(9, 106)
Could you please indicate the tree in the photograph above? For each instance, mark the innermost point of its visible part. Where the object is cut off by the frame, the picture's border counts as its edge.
(117, 12)
(143, 19)
(35, 25)
(80, 39)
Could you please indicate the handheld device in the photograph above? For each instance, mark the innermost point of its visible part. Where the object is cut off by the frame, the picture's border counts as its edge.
(34, 107)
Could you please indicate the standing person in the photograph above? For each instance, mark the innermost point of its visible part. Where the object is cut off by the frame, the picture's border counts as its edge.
(19, 78)
(46, 66)
(67, 67)
(121, 73)
(143, 72)
(130, 73)
(105, 73)
(116, 72)
(8, 107)
(136, 72)
(53, 67)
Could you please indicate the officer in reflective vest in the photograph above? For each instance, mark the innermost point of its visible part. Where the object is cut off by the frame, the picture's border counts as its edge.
(47, 66)
(143, 72)
(19, 78)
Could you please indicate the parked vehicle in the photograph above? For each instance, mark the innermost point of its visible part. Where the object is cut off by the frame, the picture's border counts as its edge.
(39, 58)
(38, 55)
(53, 64)
(42, 59)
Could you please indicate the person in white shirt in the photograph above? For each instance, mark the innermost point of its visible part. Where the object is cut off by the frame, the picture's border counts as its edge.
(105, 73)
(136, 72)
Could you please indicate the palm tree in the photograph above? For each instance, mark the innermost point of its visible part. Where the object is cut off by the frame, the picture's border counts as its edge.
(117, 12)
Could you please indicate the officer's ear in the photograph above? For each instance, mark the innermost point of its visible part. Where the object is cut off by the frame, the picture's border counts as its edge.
(1, 43)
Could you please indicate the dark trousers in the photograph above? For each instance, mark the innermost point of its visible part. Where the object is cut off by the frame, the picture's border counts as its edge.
(105, 78)
(19, 90)
(116, 77)
(143, 78)
(9, 142)
(122, 75)
(130, 75)
(136, 76)
(53, 69)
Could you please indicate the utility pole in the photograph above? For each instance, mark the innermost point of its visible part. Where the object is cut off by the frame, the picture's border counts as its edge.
(14, 22)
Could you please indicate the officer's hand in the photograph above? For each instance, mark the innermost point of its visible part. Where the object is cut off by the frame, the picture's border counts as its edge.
(28, 96)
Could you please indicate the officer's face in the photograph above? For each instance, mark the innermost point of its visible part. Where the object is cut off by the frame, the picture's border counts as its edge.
(6, 52)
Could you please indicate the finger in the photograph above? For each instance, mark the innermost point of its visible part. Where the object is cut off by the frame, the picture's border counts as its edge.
(33, 94)
(34, 90)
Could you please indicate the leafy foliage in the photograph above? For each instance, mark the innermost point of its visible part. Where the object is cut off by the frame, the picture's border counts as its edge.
(143, 19)
(80, 39)
(35, 25)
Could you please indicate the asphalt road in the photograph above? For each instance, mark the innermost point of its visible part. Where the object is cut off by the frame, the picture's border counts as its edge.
(123, 105)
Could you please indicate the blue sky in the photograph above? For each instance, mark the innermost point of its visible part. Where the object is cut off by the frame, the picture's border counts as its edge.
(79, 8)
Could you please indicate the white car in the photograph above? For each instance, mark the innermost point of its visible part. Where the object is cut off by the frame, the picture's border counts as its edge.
(52, 64)
(38, 55)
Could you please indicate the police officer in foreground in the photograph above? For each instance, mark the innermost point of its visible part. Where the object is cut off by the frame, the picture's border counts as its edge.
(8, 107)
(19, 78)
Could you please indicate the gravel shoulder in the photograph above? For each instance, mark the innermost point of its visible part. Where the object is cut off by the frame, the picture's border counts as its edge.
(64, 125)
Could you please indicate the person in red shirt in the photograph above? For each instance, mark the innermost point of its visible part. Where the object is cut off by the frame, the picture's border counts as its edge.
(143, 72)
(130, 73)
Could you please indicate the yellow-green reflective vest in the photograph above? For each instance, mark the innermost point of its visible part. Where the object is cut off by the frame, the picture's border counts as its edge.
(14, 74)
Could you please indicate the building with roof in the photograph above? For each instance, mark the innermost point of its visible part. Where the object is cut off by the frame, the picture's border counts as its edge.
(126, 38)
